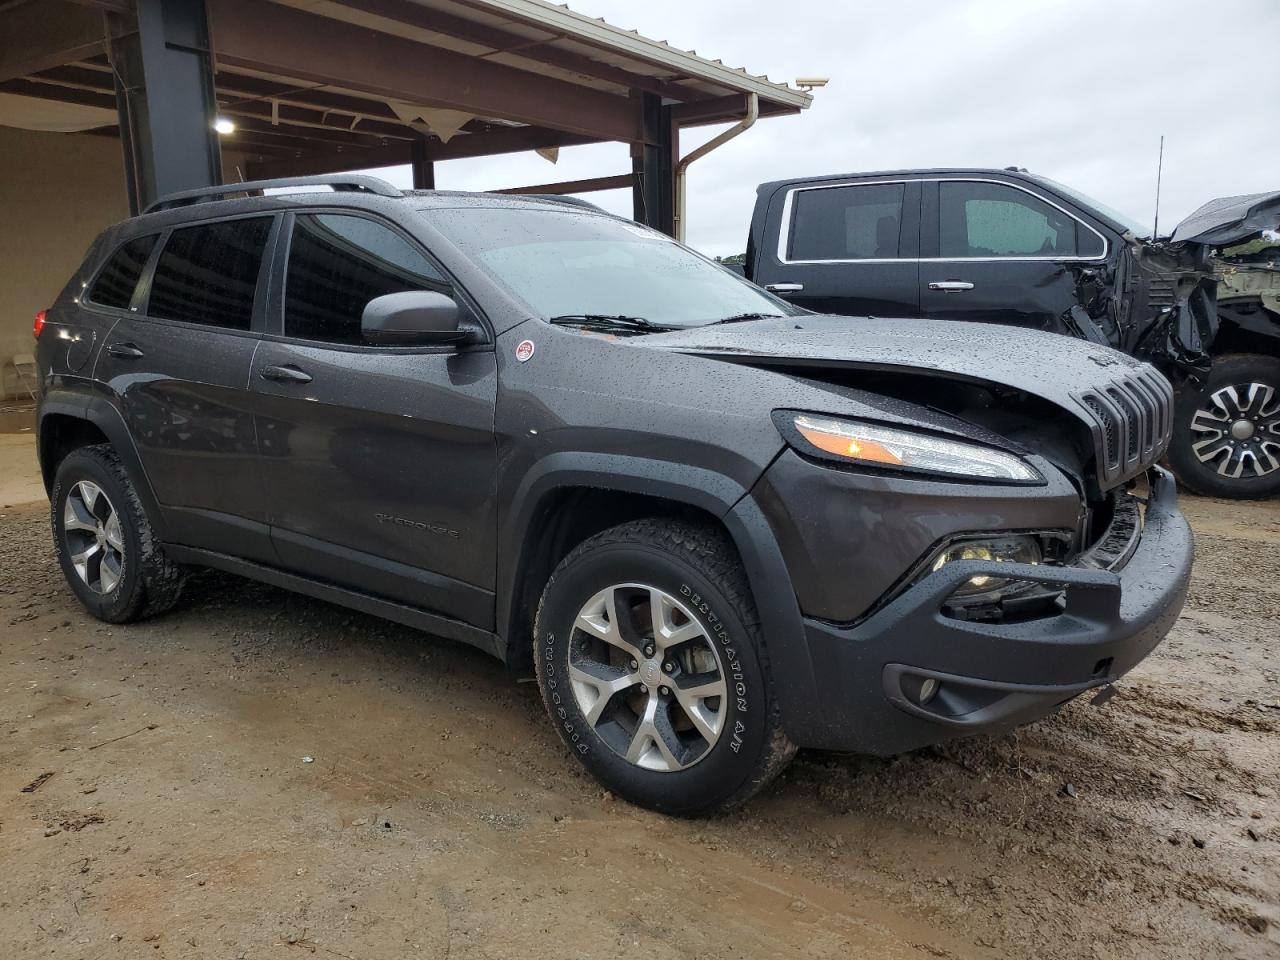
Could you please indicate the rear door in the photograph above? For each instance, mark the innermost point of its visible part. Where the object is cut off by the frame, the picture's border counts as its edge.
(999, 253)
(846, 247)
(178, 363)
(379, 461)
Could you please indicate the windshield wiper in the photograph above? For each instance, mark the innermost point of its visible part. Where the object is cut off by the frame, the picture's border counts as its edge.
(738, 318)
(605, 321)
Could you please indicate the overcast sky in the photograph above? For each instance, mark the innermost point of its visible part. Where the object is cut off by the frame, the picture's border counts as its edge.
(1079, 91)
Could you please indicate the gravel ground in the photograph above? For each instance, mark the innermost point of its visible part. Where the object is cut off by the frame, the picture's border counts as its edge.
(157, 800)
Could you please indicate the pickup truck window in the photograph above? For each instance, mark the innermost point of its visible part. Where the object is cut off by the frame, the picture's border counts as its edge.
(563, 262)
(857, 222)
(984, 220)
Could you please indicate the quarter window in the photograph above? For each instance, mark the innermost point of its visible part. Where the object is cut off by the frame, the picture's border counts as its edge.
(337, 264)
(861, 222)
(209, 273)
(119, 277)
(977, 220)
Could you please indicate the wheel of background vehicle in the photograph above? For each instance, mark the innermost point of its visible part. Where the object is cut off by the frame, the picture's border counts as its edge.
(1226, 433)
(104, 542)
(653, 668)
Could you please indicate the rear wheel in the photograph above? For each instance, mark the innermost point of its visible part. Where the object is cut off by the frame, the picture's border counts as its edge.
(652, 667)
(1226, 437)
(104, 541)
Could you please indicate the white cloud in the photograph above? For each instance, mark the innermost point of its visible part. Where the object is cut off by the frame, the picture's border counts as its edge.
(1078, 91)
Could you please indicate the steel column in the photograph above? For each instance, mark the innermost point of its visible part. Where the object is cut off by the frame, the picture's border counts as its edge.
(653, 163)
(165, 97)
(424, 171)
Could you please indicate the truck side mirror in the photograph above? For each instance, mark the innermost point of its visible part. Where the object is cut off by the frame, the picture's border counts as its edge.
(413, 317)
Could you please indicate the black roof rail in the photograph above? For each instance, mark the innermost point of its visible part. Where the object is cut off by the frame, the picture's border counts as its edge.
(561, 198)
(343, 182)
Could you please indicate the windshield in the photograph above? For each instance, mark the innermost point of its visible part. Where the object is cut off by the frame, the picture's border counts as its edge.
(570, 263)
(1123, 219)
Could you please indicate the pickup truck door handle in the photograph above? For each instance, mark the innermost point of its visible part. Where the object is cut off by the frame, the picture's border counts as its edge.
(951, 286)
(126, 351)
(784, 287)
(286, 374)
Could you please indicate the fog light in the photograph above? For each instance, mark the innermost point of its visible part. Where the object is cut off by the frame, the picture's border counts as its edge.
(928, 690)
(996, 549)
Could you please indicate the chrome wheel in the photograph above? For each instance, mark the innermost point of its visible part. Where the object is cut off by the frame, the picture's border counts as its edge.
(94, 540)
(1237, 431)
(647, 676)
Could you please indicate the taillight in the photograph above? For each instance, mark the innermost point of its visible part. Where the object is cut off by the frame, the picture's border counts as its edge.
(39, 324)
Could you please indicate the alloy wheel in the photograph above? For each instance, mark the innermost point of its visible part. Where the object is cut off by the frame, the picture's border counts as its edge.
(1236, 431)
(94, 540)
(648, 677)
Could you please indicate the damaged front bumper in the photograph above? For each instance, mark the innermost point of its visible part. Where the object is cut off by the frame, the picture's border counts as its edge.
(910, 675)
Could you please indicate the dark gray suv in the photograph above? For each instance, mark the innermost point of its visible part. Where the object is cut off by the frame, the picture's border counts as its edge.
(715, 525)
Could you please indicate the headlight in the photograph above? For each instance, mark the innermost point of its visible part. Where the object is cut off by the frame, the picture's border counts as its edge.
(878, 446)
(1018, 549)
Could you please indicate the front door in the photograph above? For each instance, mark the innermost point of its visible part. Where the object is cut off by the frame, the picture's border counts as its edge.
(379, 461)
(997, 253)
(179, 369)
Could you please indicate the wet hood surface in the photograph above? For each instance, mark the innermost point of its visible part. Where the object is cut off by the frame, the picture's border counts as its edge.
(1230, 220)
(1047, 365)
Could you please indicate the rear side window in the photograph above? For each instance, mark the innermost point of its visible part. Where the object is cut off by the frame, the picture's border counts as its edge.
(208, 273)
(862, 222)
(119, 276)
(337, 264)
(992, 220)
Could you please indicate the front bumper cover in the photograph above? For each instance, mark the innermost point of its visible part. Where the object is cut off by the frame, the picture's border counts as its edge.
(995, 675)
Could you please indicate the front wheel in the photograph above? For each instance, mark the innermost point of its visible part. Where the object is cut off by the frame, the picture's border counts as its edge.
(1226, 431)
(652, 667)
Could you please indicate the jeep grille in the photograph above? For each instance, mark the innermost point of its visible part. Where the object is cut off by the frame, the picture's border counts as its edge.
(1131, 420)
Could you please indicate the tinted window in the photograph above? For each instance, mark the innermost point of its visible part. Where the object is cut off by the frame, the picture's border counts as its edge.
(992, 220)
(115, 284)
(337, 264)
(847, 223)
(208, 273)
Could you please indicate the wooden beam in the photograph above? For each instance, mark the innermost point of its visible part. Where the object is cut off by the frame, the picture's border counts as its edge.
(36, 36)
(623, 181)
(270, 37)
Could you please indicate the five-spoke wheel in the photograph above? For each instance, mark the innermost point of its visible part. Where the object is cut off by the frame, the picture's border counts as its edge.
(95, 543)
(647, 677)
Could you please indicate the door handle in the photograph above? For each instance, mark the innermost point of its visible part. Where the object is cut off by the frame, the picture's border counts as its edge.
(951, 286)
(784, 287)
(286, 374)
(126, 351)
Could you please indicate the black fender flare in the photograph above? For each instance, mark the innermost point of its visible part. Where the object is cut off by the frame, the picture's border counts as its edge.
(104, 415)
(717, 494)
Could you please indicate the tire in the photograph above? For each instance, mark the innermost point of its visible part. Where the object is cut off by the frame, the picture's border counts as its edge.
(1241, 388)
(692, 576)
(127, 577)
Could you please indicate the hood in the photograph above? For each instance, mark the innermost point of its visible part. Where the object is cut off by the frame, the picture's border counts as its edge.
(1228, 221)
(1125, 403)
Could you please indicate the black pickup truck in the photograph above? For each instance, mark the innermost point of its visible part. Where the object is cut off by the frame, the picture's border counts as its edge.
(1006, 246)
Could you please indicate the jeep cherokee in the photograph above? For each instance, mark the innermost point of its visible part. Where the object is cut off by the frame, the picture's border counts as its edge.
(716, 526)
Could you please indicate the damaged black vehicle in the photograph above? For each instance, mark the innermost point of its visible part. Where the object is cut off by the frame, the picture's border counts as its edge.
(1010, 247)
(715, 527)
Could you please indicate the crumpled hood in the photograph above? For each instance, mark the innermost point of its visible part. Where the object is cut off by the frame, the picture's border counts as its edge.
(1125, 403)
(1230, 220)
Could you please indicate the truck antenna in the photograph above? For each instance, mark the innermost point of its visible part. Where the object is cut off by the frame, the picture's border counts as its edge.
(1155, 228)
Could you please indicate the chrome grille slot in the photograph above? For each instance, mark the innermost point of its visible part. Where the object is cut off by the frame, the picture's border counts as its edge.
(1131, 419)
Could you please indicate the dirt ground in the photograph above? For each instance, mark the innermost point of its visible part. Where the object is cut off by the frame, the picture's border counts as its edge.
(258, 774)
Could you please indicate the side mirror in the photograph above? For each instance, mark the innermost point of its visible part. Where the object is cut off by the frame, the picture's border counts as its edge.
(414, 317)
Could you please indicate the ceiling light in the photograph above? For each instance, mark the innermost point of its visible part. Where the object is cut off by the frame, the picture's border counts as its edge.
(224, 126)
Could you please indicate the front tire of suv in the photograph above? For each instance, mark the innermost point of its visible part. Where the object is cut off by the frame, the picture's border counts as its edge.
(104, 542)
(653, 668)
(1226, 432)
